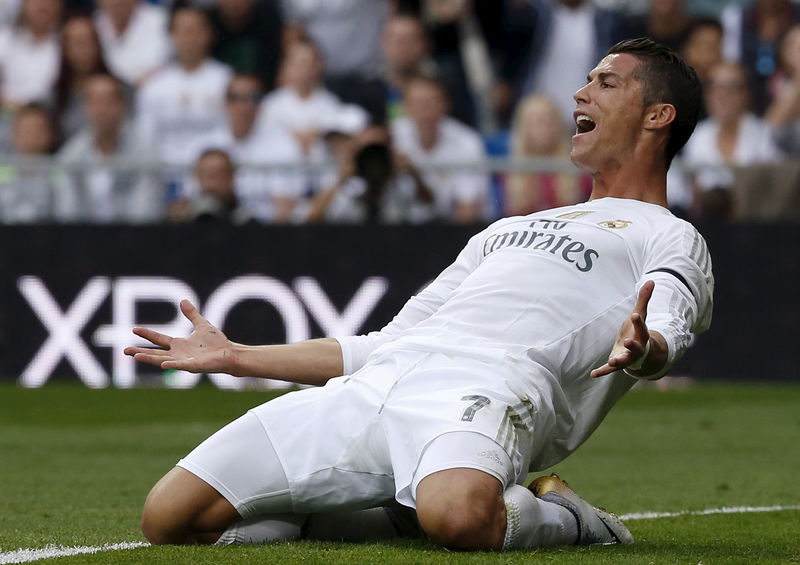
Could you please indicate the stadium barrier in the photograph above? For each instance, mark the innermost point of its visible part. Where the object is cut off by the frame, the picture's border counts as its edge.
(70, 294)
(759, 193)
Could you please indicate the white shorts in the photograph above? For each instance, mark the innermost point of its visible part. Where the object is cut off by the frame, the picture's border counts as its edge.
(364, 440)
(241, 464)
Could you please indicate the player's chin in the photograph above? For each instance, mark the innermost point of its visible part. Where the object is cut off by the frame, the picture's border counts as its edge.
(580, 156)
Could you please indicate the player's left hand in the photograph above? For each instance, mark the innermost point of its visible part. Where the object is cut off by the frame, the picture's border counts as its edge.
(633, 336)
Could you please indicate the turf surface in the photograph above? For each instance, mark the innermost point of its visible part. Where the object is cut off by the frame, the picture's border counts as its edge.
(75, 465)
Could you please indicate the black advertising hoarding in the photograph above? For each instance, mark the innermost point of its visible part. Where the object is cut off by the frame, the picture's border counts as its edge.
(70, 294)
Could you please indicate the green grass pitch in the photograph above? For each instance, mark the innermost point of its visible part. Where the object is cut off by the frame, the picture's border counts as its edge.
(75, 465)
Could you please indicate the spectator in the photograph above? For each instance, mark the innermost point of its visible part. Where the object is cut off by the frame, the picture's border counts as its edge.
(184, 100)
(466, 36)
(81, 57)
(337, 147)
(247, 36)
(550, 46)
(703, 51)
(34, 133)
(784, 112)
(301, 105)
(429, 138)
(702, 48)
(375, 185)
(752, 36)
(406, 52)
(666, 21)
(269, 196)
(539, 131)
(216, 201)
(730, 136)
(29, 54)
(134, 37)
(27, 190)
(348, 34)
(99, 190)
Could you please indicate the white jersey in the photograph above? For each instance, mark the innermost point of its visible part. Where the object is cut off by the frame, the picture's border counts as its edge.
(544, 296)
(175, 107)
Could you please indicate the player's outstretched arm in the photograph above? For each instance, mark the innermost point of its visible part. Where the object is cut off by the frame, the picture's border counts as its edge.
(632, 342)
(208, 350)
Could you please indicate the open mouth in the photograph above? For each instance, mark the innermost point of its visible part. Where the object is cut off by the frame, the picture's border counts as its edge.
(584, 124)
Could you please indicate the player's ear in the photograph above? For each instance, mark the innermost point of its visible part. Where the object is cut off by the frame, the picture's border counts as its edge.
(659, 116)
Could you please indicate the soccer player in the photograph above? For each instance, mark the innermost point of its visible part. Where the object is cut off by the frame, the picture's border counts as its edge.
(504, 364)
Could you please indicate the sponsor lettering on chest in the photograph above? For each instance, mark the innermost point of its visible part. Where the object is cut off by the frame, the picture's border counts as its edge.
(545, 236)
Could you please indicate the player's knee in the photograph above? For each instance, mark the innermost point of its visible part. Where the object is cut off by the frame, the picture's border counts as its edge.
(462, 509)
(463, 528)
(184, 509)
(154, 527)
(159, 524)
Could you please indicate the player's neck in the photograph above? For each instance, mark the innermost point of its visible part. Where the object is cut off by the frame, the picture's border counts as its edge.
(636, 183)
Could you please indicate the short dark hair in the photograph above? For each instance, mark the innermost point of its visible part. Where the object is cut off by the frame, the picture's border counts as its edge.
(666, 78)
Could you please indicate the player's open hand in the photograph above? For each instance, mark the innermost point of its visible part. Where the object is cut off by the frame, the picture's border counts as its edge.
(205, 350)
(633, 336)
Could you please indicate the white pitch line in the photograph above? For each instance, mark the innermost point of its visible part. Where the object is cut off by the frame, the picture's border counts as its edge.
(28, 555)
(706, 512)
(50, 551)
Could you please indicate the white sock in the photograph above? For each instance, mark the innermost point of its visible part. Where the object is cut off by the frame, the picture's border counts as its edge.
(263, 529)
(532, 522)
(372, 524)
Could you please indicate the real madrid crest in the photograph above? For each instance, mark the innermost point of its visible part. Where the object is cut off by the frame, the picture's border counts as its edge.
(614, 224)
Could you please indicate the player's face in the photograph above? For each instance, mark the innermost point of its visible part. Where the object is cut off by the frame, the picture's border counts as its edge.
(609, 114)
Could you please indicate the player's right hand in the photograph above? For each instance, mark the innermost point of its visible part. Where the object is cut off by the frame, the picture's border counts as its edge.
(205, 350)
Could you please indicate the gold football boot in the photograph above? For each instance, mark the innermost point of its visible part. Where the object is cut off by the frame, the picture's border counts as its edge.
(595, 525)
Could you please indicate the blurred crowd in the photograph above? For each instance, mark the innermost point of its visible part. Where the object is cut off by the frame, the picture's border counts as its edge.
(299, 111)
